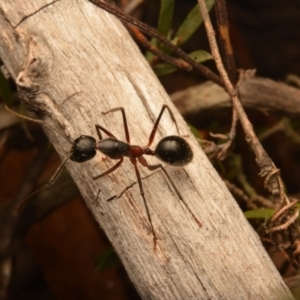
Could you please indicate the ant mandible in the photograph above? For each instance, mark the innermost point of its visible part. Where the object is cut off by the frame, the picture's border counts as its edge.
(172, 150)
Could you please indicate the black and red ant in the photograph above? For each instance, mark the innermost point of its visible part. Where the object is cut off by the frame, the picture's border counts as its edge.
(172, 150)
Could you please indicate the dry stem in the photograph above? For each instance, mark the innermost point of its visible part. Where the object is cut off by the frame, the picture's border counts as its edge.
(273, 181)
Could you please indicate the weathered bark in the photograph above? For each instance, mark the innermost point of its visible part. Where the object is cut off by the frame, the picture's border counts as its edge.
(72, 61)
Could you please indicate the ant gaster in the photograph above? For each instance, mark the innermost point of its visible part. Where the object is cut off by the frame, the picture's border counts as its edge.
(172, 150)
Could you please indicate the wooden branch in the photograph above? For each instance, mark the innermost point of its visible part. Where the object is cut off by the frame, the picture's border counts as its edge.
(262, 94)
(72, 61)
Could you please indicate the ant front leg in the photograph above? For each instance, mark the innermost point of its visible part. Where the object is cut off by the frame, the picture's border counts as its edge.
(124, 121)
(153, 132)
(99, 128)
(109, 170)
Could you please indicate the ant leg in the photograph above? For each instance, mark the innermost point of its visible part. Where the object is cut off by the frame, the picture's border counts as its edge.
(159, 166)
(143, 161)
(124, 121)
(144, 199)
(49, 183)
(153, 132)
(109, 170)
(99, 128)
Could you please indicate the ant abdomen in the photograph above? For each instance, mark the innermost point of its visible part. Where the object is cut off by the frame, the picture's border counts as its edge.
(83, 149)
(174, 150)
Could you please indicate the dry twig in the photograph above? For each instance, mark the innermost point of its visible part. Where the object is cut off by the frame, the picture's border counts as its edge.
(273, 182)
(204, 71)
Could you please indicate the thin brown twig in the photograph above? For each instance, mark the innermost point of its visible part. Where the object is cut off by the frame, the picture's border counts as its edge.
(285, 225)
(265, 163)
(279, 126)
(230, 137)
(204, 71)
(263, 201)
(285, 126)
(179, 63)
(229, 61)
(224, 38)
(285, 233)
(241, 194)
(283, 210)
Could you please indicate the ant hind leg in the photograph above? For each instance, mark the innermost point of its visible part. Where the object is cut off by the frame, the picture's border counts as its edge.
(143, 161)
(154, 129)
(144, 199)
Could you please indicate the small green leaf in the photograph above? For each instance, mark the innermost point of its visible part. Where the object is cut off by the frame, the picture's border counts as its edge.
(192, 22)
(106, 260)
(165, 16)
(263, 213)
(164, 69)
(200, 56)
(176, 41)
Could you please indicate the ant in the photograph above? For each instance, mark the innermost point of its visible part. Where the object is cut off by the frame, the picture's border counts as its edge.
(172, 150)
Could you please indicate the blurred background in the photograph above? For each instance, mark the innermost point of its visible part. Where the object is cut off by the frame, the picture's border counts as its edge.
(58, 251)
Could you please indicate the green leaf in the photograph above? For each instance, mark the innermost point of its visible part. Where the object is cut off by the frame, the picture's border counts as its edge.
(192, 22)
(165, 16)
(106, 260)
(263, 213)
(164, 69)
(200, 56)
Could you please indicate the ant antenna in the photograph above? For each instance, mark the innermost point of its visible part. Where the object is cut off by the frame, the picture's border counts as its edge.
(82, 150)
(49, 183)
(37, 121)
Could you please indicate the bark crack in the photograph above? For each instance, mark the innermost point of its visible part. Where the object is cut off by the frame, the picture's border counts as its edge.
(32, 14)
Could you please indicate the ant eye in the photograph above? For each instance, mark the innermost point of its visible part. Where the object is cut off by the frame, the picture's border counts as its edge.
(83, 149)
(174, 150)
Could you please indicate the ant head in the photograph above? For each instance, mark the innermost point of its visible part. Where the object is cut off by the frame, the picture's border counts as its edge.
(83, 149)
(174, 150)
